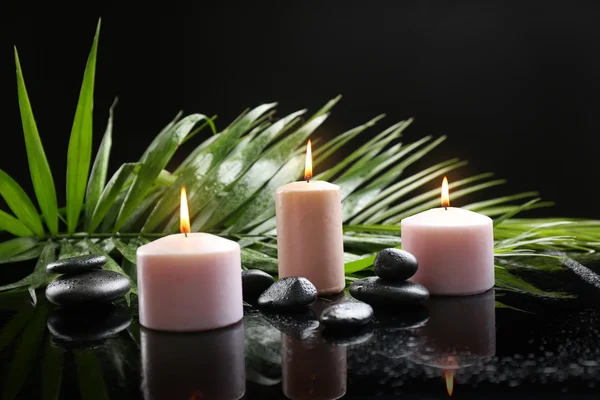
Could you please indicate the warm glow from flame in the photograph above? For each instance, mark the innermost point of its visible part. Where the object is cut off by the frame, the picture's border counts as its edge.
(184, 212)
(445, 193)
(308, 164)
(449, 375)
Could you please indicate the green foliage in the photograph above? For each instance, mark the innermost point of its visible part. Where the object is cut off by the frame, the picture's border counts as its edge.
(80, 145)
(41, 176)
(28, 218)
(231, 176)
(99, 170)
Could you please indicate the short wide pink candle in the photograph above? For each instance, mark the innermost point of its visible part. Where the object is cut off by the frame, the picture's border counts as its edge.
(454, 248)
(309, 234)
(191, 283)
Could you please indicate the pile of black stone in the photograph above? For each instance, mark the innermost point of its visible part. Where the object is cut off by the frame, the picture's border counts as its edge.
(288, 303)
(85, 293)
(390, 287)
(83, 281)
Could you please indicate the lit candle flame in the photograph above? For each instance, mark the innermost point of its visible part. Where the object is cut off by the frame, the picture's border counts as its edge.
(184, 212)
(445, 193)
(308, 164)
(449, 375)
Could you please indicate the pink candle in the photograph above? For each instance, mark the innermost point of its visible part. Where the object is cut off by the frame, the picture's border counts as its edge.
(189, 281)
(454, 248)
(309, 232)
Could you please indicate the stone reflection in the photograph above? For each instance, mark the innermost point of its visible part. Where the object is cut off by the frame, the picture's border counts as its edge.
(313, 368)
(73, 328)
(460, 332)
(205, 365)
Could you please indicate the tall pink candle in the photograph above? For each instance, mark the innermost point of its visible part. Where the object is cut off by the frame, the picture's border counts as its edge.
(309, 233)
(189, 281)
(454, 248)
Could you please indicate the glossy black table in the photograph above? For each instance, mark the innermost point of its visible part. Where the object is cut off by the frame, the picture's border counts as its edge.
(540, 348)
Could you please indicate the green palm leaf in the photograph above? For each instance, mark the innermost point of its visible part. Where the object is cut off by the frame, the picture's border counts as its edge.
(110, 193)
(254, 178)
(154, 162)
(80, 144)
(14, 247)
(39, 277)
(30, 254)
(43, 184)
(396, 191)
(196, 176)
(12, 225)
(99, 170)
(19, 203)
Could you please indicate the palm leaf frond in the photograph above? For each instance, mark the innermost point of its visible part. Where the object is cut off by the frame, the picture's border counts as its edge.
(80, 144)
(41, 176)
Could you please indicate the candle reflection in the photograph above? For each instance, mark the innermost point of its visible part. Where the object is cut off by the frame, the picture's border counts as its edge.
(312, 368)
(460, 332)
(206, 365)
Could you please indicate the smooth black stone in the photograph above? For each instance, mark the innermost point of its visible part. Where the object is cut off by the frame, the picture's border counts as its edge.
(76, 265)
(254, 283)
(88, 326)
(395, 264)
(380, 293)
(289, 294)
(347, 315)
(91, 287)
(298, 325)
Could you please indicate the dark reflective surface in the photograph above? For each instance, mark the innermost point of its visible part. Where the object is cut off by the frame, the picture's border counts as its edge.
(552, 349)
(207, 365)
(313, 369)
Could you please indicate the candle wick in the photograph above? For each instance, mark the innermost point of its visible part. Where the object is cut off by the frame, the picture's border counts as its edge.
(185, 233)
(446, 208)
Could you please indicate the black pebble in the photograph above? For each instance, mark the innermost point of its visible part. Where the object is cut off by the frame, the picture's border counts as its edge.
(76, 265)
(89, 326)
(91, 287)
(289, 294)
(395, 265)
(254, 283)
(347, 315)
(378, 292)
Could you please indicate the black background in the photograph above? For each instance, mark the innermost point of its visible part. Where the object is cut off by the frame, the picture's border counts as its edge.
(513, 84)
